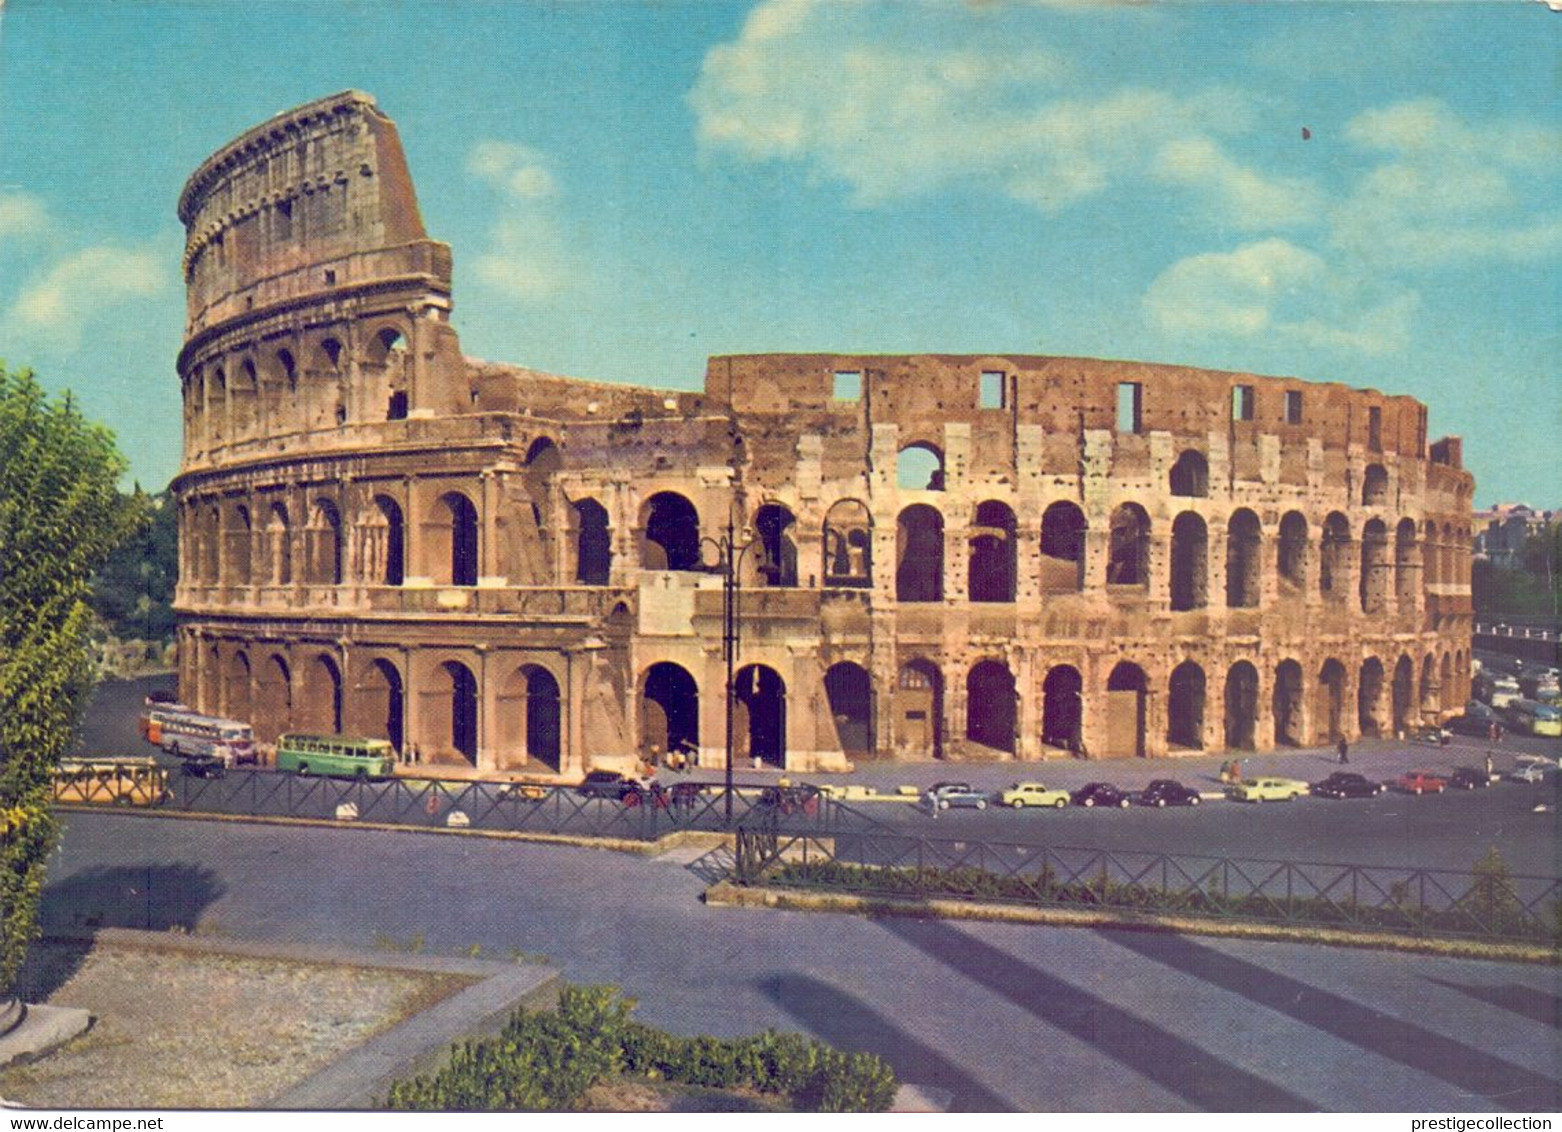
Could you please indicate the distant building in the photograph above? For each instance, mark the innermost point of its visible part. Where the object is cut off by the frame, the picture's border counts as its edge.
(952, 557)
(1502, 530)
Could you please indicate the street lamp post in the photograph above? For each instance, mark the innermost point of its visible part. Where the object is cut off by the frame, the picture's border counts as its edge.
(729, 558)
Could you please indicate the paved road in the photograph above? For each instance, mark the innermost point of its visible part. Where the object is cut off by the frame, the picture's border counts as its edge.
(1001, 1017)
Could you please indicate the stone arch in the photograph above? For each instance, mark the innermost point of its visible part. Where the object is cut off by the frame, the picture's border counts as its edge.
(1244, 557)
(919, 708)
(920, 467)
(451, 715)
(1374, 486)
(379, 710)
(992, 707)
(669, 711)
(273, 698)
(1375, 567)
(244, 400)
(1403, 691)
(849, 690)
(992, 559)
(320, 711)
(211, 545)
(530, 720)
(1329, 702)
(384, 543)
(237, 694)
(1128, 561)
(279, 546)
(759, 709)
(324, 544)
(1369, 698)
(1127, 696)
(1334, 557)
(774, 526)
(1062, 548)
(388, 353)
(1241, 707)
(1291, 561)
(1189, 562)
(1190, 475)
(1062, 708)
(919, 566)
(1451, 697)
(593, 544)
(1185, 707)
(1450, 567)
(848, 545)
(672, 533)
(451, 541)
(1428, 699)
(239, 539)
(1286, 704)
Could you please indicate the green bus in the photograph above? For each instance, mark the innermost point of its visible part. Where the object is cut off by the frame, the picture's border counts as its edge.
(336, 756)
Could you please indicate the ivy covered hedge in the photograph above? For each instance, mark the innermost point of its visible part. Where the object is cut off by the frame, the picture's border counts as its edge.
(545, 1061)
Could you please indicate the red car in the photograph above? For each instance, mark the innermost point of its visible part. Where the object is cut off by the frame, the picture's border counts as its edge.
(1422, 782)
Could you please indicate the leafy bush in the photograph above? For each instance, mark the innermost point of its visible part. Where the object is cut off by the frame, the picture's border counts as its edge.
(547, 1061)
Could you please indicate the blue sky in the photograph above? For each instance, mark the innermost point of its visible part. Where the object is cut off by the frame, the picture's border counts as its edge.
(629, 188)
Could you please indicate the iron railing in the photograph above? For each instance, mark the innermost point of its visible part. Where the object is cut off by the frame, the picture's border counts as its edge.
(429, 803)
(1486, 902)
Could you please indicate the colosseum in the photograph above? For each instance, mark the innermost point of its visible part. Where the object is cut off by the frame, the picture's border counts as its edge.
(932, 556)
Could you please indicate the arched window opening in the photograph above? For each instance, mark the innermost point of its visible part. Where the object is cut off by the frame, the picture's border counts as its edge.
(1428, 702)
(279, 546)
(849, 690)
(240, 539)
(919, 709)
(1287, 704)
(1374, 486)
(211, 547)
(1126, 695)
(1375, 567)
(321, 710)
(1407, 563)
(289, 368)
(539, 708)
(1241, 706)
(848, 545)
(992, 708)
(920, 467)
(1189, 562)
(778, 558)
(993, 553)
(1292, 562)
(273, 699)
(759, 709)
(593, 544)
(452, 541)
(1190, 475)
(1185, 707)
(1403, 690)
(1429, 548)
(385, 543)
(331, 351)
(1329, 709)
(325, 545)
(1244, 537)
(1062, 548)
(1369, 698)
(1062, 708)
(672, 534)
(669, 713)
(1334, 557)
(381, 704)
(237, 698)
(919, 568)
(1128, 562)
(1452, 697)
(455, 714)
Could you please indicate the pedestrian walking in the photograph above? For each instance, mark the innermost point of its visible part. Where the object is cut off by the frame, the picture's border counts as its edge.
(1488, 764)
(1344, 749)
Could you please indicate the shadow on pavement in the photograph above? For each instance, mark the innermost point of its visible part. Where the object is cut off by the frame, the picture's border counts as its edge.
(1526, 1002)
(1501, 1082)
(154, 898)
(848, 1023)
(1174, 1063)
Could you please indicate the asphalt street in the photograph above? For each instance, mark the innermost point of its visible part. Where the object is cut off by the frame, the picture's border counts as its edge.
(1000, 1017)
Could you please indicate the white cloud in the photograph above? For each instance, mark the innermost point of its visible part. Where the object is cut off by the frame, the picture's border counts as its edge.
(22, 214)
(526, 256)
(1448, 191)
(1238, 194)
(55, 306)
(1275, 289)
(893, 106)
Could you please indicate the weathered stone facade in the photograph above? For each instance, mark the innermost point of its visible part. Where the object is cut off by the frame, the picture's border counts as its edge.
(956, 557)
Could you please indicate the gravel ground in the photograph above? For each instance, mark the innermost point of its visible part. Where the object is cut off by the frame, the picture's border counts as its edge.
(177, 1030)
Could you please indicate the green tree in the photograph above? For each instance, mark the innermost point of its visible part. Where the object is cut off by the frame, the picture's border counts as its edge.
(134, 591)
(61, 514)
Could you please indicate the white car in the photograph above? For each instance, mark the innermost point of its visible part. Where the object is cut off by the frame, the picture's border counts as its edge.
(1531, 769)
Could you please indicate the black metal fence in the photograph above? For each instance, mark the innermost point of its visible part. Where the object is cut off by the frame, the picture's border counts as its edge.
(1485, 902)
(428, 803)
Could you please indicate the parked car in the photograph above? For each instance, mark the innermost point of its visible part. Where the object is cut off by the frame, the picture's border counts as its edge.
(1100, 794)
(204, 766)
(610, 784)
(1469, 778)
(1531, 769)
(1267, 790)
(1476, 720)
(1345, 784)
(1167, 792)
(1023, 794)
(1436, 736)
(1421, 782)
(802, 799)
(944, 795)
